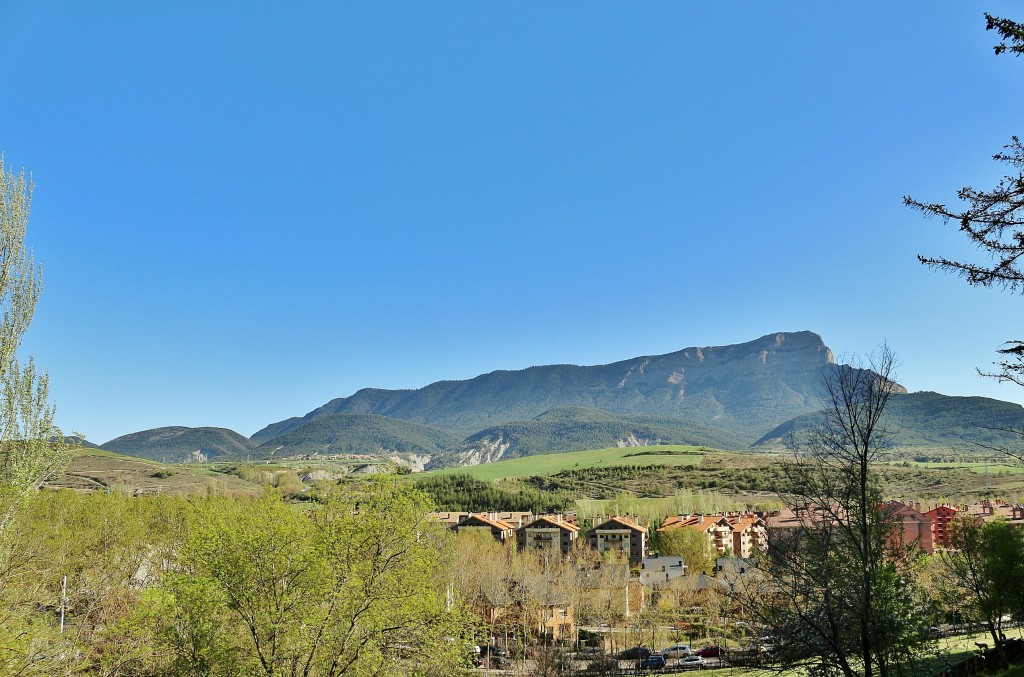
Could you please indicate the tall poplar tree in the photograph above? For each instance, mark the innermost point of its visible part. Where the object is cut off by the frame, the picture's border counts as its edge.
(30, 443)
(31, 447)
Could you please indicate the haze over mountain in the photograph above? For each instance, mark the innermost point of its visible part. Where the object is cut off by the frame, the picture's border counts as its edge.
(745, 389)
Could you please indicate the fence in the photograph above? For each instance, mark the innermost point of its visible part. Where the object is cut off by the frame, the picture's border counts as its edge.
(977, 664)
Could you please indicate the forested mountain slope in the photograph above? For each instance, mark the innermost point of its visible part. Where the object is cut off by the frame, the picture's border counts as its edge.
(743, 390)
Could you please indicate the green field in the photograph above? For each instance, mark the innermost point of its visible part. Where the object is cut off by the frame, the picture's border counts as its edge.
(550, 464)
(973, 466)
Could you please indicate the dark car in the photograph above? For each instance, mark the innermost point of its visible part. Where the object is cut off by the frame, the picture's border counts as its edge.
(633, 653)
(652, 662)
(712, 651)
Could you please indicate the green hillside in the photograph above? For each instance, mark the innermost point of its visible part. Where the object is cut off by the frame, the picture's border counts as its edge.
(359, 434)
(576, 429)
(177, 443)
(931, 420)
(552, 464)
(460, 492)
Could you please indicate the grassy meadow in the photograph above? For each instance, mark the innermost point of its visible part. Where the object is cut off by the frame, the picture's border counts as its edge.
(99, 470)
(551, 464)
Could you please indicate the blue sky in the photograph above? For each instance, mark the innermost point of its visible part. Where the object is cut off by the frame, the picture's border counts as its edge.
(244, 210)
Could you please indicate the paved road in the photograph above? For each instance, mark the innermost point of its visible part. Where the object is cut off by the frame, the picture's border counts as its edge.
(626, 667)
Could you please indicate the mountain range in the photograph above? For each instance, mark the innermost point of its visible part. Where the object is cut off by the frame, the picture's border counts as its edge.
(735, 397)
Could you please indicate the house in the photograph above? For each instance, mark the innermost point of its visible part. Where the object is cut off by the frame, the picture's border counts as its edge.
(552, 614)
(620, 534)
(501, 531)
(661, 570)
(749, 533)
(942, 517)
(913, 526)
(555, 620)
(548, 532)
(729, 533)
(715, 527)
(734, 567)
(516, 519)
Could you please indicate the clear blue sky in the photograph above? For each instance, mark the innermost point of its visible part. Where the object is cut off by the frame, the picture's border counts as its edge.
(246, 209)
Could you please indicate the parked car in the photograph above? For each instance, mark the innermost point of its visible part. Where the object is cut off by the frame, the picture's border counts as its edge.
(676, 651)
(634, 652)
(693, 663)
(652, 662)
(712, 651)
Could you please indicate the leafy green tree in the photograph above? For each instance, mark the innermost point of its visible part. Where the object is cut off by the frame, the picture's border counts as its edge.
(693, 546)
(347, 587)
(985, 574)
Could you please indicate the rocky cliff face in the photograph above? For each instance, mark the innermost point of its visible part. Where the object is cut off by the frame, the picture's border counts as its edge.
(482, 451)
(755, 385)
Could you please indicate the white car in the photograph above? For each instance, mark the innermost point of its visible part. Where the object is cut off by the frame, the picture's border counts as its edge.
(676, 651)
(693, 663)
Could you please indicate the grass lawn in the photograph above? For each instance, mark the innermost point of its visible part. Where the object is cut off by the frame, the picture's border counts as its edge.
(949, 650)
(550, 464)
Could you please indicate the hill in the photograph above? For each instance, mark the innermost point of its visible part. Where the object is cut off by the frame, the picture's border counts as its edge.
(568, 429)
(741, 390)
(362, 434)
(178, 443)
(927, 419)
(93, 469)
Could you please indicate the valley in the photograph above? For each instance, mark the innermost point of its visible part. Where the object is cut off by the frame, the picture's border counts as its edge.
(745, 397)
(653, 480)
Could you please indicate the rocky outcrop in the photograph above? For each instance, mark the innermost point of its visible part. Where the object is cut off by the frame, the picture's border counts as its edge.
(634, 441)
(482, 451)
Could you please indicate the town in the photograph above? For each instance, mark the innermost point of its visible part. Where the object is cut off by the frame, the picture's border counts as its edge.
(619, 567)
